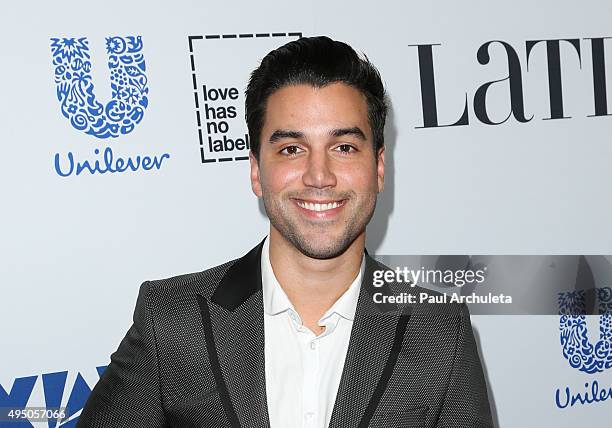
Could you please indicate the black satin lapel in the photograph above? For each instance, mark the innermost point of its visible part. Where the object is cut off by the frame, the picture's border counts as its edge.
(215, 366)
(239, 339)
(381, 385)
(376, 339)
(241, 280)
(236, 341)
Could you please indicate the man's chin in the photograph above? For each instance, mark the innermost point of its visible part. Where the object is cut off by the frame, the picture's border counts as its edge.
(321, 246)
(321, 253)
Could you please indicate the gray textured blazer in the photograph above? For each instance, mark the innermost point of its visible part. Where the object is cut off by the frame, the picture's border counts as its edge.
(194, 357)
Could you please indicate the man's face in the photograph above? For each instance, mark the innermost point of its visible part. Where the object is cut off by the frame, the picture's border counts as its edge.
(317, 171)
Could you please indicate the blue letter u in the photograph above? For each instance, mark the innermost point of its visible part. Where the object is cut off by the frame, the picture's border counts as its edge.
(75, 89)
(577, 348)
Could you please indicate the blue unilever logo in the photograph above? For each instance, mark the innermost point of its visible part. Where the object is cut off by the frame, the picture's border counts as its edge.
(577, 348)
(581, 353)
(75, 88)
(118, 117)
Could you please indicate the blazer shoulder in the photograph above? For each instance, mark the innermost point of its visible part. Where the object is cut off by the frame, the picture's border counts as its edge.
(203, 282)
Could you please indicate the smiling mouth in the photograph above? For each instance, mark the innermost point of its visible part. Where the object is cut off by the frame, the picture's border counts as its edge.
(320, 206)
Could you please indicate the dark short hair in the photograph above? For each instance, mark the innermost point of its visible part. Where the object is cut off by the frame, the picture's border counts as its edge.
(316, 61)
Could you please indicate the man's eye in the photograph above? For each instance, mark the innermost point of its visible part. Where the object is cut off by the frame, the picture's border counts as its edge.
(290, 150)
(346, 148)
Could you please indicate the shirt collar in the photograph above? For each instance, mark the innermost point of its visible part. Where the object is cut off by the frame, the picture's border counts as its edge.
(276, 301)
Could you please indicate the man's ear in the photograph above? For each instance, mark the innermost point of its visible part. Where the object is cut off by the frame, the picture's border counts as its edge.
(255, 181)
(380, 168)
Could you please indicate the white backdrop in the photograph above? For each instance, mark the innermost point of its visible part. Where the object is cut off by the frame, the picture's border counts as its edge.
(74, 249)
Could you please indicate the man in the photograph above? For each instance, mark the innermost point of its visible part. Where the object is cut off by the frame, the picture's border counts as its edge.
(289, 335)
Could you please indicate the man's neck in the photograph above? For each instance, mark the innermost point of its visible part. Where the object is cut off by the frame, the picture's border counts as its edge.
(313, 285)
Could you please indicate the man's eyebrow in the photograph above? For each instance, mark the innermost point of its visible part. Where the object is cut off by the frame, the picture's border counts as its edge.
(279, 134)
(354, 131)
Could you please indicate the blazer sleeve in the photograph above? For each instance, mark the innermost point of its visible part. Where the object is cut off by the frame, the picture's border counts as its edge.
(128, 393)
(466, 404)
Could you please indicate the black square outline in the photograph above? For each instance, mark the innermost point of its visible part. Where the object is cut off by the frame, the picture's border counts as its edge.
(195, 82)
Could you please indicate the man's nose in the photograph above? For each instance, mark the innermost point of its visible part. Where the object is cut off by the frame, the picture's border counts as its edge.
(319, 171)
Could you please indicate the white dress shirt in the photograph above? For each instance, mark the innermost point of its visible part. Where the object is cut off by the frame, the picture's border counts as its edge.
(302, 369)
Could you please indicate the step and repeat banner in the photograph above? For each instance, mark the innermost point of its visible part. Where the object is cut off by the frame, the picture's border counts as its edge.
(125, 158)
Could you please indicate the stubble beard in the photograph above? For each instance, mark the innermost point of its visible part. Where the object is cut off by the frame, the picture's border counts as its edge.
(284, 219)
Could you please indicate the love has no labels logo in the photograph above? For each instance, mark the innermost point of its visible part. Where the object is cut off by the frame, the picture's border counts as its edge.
(220, 67)
(72, 64)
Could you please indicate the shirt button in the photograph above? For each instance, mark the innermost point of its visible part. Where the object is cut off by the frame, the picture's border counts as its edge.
(308, 416)
(313, 345)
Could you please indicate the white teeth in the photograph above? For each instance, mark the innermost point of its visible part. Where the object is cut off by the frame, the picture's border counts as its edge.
(318, 207)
